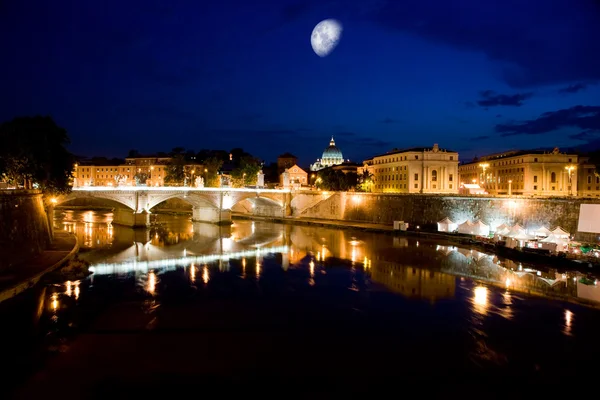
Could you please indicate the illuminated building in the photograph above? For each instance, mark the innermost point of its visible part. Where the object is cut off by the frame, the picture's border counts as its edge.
(295, 176)
(331, 156)
(416, 170)
(529, 173)
(588, 183)
(107, 174)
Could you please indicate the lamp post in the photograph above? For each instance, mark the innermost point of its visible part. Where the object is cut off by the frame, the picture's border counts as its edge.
(509, 188)
(193, 183)
(570, 169)
(484, 167)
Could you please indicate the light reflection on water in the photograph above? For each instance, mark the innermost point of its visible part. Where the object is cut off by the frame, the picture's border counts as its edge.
(482, 285)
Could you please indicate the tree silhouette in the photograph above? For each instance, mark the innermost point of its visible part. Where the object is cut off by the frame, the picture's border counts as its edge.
(33, 154)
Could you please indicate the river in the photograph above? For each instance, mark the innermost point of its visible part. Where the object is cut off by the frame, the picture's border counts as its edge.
(191, 302)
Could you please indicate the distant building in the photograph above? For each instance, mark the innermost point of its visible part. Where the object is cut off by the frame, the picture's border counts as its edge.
(588, 182)
(286, 160)
(293, 176)
(415, 170)
(331, 156)
(98, 172)
(526, 172)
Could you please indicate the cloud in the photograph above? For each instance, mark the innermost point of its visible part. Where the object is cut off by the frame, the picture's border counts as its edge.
(573, 88)
(491, 99)
(583, 117)
(484, 137)
(532, 46)
(389, 120)
(585, 136)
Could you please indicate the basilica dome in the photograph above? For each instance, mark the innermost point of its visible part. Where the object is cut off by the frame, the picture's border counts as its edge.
(331, 156)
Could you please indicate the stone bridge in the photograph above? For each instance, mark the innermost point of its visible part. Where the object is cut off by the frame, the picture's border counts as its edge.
(208, 204)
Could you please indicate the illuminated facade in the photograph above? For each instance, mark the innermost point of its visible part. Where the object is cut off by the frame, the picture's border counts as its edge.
(588, 182)
(296, 176)
(331, 156)
(154, 168)
(528, 173)
(417, 170)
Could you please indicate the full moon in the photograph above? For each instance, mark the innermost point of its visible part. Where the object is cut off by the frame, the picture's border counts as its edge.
(326, 36)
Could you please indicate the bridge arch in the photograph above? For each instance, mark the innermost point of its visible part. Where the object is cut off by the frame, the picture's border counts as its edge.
(193, 199)
(128, 201)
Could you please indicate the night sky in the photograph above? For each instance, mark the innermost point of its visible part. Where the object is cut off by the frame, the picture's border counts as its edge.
(474, 76)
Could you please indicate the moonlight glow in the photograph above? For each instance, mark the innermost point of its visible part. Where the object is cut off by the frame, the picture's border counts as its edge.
(326, 36)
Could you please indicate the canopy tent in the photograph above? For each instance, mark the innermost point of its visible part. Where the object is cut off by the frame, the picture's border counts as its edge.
(466, 227)
(446, 225)
(501, 227)
(553, 243)
(543, 231)
(523, 236)
(560, 232)
(515, 230)
(481, 229)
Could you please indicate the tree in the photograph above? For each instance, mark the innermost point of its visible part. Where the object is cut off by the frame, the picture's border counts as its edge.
(330, 179)
(247, 172)
(212, 166)
(33, 153)
(141, 178)
(365, 181)
(175, 170)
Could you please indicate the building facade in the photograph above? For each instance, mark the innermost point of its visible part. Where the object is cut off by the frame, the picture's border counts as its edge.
(152, 170)
(416, 170)
(286, 160)
(527, 173)
(331, 156)
(588, 181)
(293, 176)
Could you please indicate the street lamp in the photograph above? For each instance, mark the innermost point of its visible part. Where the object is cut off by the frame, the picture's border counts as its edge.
(484, 167)
(570, 169)
(509, 188)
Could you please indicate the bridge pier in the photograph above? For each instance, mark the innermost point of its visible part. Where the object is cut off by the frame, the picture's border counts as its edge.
(211, 214)
(130, 218)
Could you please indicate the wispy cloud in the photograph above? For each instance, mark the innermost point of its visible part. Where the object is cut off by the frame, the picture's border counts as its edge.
(492, 99)
(573, 88)
(583, 117)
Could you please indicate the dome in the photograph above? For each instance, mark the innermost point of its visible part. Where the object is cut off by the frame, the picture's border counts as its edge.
(332, 155)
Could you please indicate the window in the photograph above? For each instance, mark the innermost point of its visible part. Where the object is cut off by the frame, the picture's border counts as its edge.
(589, 179)
(450, 178)
(535, 179)
(416, 177)
(569, 160)
(416, 185)
(535, 160)
(434, 176)
(598, 179)
(451, 158)
(450, 186)
(535, 187)
(416, 157)
(553, 178)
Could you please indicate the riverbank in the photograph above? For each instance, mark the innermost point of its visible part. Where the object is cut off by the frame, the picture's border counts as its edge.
(20, 277)
(464, 240)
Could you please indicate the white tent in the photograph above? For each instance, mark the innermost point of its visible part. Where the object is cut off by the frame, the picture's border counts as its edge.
(560, 232)
(515, 230)
(543, 231)
(500, 228)
(446, 225)
(481, 229)
(554, 243)
(466, 227)
(523, 236)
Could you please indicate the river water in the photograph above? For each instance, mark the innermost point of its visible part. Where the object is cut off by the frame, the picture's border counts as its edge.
(187, 299)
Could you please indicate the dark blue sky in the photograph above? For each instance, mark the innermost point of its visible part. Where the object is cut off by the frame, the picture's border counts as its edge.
(474, 76)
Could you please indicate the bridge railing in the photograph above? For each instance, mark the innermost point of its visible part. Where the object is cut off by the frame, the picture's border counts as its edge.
(172, 188)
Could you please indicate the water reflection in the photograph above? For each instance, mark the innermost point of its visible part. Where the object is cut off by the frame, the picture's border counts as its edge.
(480, 299)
